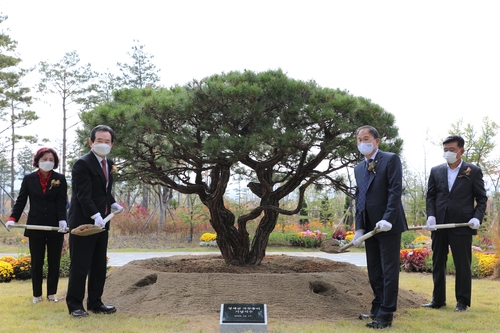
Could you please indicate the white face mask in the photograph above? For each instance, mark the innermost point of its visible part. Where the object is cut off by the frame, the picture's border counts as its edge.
(101, 149)
(450, 157)
(366, 148)
(46, 165)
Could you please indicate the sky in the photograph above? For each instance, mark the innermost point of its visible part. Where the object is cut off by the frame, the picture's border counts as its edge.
(430, 63)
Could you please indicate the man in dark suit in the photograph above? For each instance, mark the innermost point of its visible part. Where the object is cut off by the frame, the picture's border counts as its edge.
(378, 205)
(92, 181)
(455, 194)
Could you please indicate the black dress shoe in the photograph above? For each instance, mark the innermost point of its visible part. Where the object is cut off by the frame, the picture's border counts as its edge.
(106, 309)
(366, 316)
(434, 305)
(79, 313)
(461, 307)
(378, 322)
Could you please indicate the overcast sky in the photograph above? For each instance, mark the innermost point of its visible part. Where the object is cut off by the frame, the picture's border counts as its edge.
(430, 63)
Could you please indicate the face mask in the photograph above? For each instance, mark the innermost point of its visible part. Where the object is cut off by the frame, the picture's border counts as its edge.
(450, 157)
(101, 149)
(366, 148)
(46, 166)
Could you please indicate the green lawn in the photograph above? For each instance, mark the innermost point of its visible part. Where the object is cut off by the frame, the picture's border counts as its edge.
(20, 315)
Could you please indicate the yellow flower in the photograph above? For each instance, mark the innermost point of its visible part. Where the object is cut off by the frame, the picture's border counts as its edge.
(208, 237)
(114, 170)
(54, 183)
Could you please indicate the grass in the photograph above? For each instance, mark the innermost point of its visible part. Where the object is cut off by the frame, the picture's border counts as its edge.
(19, 314)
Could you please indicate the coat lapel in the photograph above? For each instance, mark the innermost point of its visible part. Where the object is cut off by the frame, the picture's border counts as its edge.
(459, 178)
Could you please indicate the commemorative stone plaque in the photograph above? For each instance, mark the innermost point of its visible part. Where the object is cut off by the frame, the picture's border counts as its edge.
(236, 318)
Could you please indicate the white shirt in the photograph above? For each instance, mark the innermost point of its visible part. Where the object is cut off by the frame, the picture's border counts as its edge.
(452, 175)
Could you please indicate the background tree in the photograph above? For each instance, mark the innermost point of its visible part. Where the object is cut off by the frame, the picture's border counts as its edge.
(140, 73)
(17, 98)
(14, 97)
(479, 146)
(72, 83)
(281, 134)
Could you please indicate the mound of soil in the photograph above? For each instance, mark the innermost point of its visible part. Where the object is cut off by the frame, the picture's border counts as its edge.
(294, 288)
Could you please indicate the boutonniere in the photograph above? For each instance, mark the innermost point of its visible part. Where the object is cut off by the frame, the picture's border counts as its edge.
(114, 170)
(54, 183)
(465, 173)
(371, 167)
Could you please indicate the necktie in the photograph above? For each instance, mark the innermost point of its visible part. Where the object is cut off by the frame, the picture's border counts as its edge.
(105, 171)
(103, 163)
(361, 199)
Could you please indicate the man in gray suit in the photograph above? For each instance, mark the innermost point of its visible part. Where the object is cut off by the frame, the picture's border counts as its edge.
(379, 178)
(455, 194)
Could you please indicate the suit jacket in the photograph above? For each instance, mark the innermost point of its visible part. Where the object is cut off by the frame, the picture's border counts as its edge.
(45, 209)
(467, 198)
(90, 194)
(383, 197)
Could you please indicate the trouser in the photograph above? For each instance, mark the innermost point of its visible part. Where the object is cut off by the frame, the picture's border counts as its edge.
(461, 250)
(382, 259)
(88, 259)
(53, 242)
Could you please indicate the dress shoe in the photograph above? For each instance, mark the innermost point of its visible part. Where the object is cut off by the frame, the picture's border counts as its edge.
(378, 322)
(461, 307)
(106, 309)
(434, 305)
(52, 298)
(366, 316)
(79, 313)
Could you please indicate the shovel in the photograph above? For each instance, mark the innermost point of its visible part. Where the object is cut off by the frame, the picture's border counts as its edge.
(360, 239)
(442, 226)
(37, 227)
(91, 229)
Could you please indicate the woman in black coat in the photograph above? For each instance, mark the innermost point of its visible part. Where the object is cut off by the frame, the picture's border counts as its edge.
(47, 193)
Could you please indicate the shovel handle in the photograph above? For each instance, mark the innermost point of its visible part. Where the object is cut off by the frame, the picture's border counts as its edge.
(361, 239)
(35, 227)
(111, 215)
(442, 226)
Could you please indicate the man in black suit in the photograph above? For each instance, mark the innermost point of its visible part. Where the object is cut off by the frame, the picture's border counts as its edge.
(455, 194)
(92, 181)
(378, 205)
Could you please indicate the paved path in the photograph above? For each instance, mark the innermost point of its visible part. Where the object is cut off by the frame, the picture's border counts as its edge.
(121, 258)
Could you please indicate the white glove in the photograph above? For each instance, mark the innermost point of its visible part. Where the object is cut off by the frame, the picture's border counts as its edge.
(431, 223)
(383, 225)
(357, 235)
(63, 226)
(98, 221)
(9, 224)
(476, 223)
(115, 207)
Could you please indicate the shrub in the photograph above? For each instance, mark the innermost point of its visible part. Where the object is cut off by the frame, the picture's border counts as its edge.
(22, 268)
(414, 260)
(339, 234)
(64, 266)
(6, 271)
(307, 239)
(407, 238)
(485, 264)
(208, 237)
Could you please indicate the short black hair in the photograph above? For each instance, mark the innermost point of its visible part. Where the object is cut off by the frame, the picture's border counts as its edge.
(455, 138)
(102, 128)
(373, 131)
